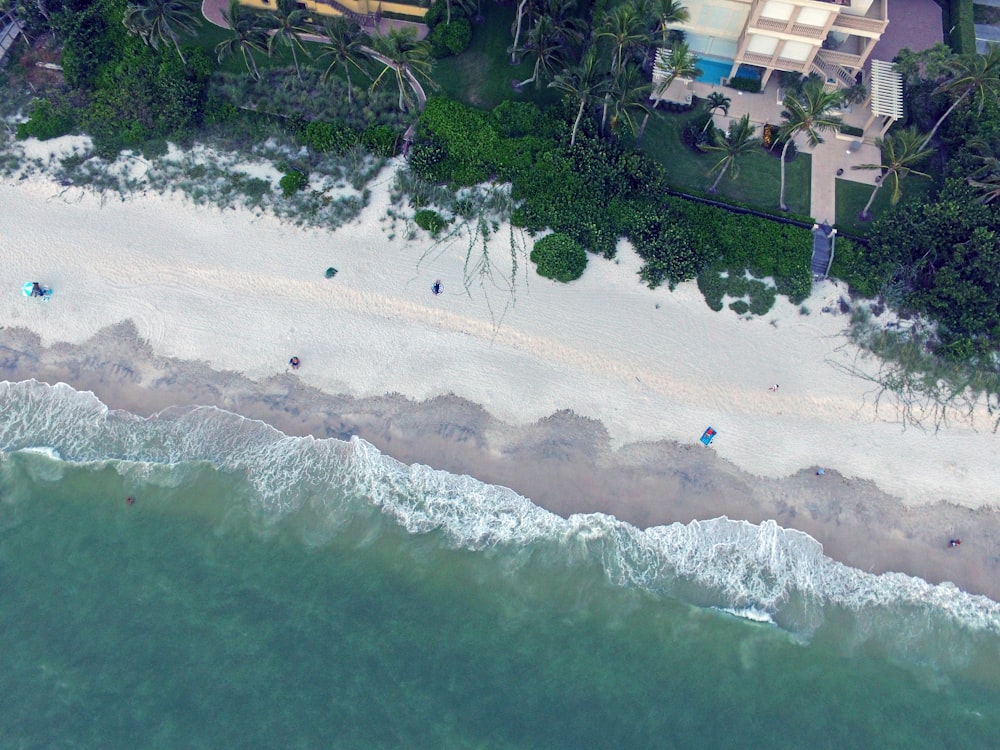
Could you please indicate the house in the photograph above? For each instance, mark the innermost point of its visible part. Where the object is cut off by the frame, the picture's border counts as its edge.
(360, 10)
(833, 38)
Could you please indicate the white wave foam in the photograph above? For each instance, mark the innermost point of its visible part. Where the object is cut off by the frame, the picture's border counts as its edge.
(735, 565)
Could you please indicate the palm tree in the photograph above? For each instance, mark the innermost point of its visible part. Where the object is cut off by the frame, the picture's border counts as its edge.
(289, 22)
(734, 145)
(987, 179)
(977, 75)
(157, 21)
(716, 101)
(345, 40)
(900, 152)
(626, 29)
(527, 10)
(678, 62)
(807, 114)
(246, 36)
(631, 98)
(582, 83)
(401, 52)
(546, 44)
(669, 13)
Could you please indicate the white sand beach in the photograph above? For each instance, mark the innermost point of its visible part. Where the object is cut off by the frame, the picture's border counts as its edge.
(243, 292)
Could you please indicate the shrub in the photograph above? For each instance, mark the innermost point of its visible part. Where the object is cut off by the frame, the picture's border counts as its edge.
(453, 38)
(740, 307)
(380, 140)
(47, 121)
(695, 134)
(324, 137)
(293, 181)
(429, 220)
(560, 257)
(751, 85)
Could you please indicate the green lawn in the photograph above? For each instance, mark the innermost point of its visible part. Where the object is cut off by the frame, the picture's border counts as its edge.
(759, 180)
(852, 197)
(482, 75)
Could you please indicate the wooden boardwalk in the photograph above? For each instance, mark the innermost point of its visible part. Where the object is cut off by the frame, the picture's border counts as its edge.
(822, 255)
(10, 27)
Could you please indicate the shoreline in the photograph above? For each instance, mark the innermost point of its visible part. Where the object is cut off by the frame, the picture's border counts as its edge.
(564, 463)
(582, 397)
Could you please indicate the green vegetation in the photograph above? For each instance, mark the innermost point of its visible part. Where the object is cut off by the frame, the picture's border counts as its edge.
(430, 220)
(541, 114)
(761, 170)
(559, 257)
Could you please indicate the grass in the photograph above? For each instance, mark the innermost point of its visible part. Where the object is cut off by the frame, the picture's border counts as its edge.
(852, 197)
(759, 180)
(482, 75)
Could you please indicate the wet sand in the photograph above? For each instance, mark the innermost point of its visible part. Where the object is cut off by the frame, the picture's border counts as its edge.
(564, 462)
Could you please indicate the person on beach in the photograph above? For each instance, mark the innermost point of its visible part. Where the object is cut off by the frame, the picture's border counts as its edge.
(954, 542)
(36, 289)
(773, 388)
(436, 287)
(294, 362)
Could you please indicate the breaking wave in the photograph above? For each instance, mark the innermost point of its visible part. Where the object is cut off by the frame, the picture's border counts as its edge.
(775, 573)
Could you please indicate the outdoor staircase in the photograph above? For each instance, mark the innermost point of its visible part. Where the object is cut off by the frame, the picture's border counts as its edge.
(822, 255)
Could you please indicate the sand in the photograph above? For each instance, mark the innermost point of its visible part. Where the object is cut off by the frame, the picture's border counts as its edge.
(511, 377)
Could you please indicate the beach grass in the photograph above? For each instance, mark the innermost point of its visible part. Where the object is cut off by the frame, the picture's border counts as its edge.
(759, 180)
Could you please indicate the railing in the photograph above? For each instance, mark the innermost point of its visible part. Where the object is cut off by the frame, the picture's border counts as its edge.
(755, 58)
(770, 24)
(813, 32)
(783, 27)
(845, 22)
(839, 58)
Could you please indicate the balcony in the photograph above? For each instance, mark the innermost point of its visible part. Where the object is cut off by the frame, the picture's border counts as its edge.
(873, 23)
(786, 28)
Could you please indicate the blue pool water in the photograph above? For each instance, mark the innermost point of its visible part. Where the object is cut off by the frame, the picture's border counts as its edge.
(713, 70)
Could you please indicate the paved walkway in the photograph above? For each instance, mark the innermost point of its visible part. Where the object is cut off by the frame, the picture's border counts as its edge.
(835, 153)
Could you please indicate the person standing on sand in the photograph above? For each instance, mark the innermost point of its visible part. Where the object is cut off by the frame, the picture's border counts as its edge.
(294, 362)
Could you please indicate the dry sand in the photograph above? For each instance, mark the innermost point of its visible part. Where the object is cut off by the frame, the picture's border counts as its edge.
(585, 396)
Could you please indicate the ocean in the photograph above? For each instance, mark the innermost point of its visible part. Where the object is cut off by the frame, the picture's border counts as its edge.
(266, 591)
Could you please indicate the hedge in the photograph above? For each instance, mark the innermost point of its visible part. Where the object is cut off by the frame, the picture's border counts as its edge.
(559, 257)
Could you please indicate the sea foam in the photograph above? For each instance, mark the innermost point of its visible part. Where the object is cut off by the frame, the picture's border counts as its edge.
(776, 573)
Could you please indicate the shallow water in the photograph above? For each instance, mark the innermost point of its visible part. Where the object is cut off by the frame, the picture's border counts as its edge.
(267, 591)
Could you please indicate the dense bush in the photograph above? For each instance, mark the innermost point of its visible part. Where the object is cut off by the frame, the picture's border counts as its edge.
(48, 120)
(429, 220)
(293, 181)
(751, 85)
(559, 257)
(324, 137)
(697, 132)
(453, 38)
(381, 140)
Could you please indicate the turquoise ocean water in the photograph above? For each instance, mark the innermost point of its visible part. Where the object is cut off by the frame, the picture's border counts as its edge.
(274, 592)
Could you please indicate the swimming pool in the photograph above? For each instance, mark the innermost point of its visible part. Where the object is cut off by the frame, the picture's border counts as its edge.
(714, 70)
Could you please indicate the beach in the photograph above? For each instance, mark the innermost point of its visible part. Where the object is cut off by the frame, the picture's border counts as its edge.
(587, 397)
